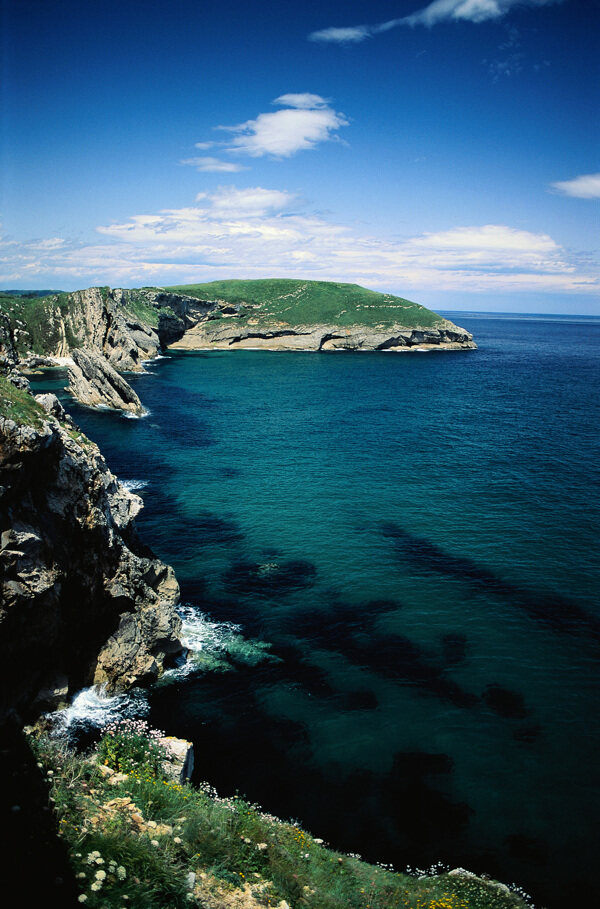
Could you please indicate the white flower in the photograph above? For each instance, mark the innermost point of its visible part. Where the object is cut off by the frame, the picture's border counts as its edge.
(97, 885)
(82, 898)
(100, 875)
(154, 843)
(177, 839)
(121, 873)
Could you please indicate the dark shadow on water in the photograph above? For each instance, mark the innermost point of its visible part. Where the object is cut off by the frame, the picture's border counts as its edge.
(270, 578)
(229, 473)
(549, 608)
(334, 621)
(399, 659)
(454, 649)
(505, 703)
(527, 848)
(527, 734)
(294, 670)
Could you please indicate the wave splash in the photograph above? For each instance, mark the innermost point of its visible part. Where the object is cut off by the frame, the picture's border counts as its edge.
(213, 646)
(92, 708)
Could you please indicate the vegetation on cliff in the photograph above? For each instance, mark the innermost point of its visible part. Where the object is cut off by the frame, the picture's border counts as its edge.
(137, 838)
(297, 302)
(18, 405)
(35, 322)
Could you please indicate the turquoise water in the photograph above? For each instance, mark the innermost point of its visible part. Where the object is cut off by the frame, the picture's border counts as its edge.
(416, 538)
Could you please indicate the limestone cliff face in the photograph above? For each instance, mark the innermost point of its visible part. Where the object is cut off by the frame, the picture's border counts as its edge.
(98, 319)
(82, 599)
(228, 333)
(93, 381)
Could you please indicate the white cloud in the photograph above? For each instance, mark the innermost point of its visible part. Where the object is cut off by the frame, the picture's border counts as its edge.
(352, 34)
(302, 101)
(306, 119)
(213, 165)
(305, 122)
(438, 11)
(253, 202)
(587, 186)
(258, 232)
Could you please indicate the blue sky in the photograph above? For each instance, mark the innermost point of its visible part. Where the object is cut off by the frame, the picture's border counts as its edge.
(445, 151)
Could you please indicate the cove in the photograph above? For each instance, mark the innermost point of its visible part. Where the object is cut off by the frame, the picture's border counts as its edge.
(414, 537)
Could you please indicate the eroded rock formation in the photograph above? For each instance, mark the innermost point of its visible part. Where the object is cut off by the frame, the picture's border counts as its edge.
(93, 381)
(82, 599)
(230, 334)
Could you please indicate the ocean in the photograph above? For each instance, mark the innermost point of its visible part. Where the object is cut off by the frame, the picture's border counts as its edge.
(396, 559)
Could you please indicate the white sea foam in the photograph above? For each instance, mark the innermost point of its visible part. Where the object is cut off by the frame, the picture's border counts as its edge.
(93, 707)
(133, 485)
(213, 646)
(199, 632)
(206, 643)
(136, 416)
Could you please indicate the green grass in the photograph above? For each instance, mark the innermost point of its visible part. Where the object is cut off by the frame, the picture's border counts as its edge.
(139, 309)
(296, 303)
(136, 842)
(36, 321)
(16, 404)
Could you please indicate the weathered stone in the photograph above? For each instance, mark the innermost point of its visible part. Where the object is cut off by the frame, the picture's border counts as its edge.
(93, 381)
(229, 334)
(179, 765)
(79, 595)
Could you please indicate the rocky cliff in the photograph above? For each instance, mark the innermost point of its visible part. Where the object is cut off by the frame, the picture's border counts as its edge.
(102, 333)
(93, 381)
(229, 334)
(82, 599)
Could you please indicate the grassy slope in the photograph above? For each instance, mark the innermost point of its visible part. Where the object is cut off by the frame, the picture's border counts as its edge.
(16, 404)
(134, 840)
(36, 320)
(297, 302)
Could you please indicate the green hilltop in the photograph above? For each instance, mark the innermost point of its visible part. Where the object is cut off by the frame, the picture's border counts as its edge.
(297, 302)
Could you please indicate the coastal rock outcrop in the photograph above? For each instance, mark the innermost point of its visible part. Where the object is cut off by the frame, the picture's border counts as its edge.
(230, 334)
(82, 598)
(93, 381)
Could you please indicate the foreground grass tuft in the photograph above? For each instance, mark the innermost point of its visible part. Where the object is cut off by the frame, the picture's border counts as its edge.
(137, 838)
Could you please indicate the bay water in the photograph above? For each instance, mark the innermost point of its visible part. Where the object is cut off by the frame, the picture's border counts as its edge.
(398, 558)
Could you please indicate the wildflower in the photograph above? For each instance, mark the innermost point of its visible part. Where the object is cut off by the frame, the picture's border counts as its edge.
(121, 873)
(81, 875)
(100, 875)
(97, 885)
(82, 898)
(154, 843)
(177, 839)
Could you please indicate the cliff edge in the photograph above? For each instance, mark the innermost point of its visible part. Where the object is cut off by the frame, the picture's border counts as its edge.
(83, 600)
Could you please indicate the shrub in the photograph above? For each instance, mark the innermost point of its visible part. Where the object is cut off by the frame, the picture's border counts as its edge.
(130, 746)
